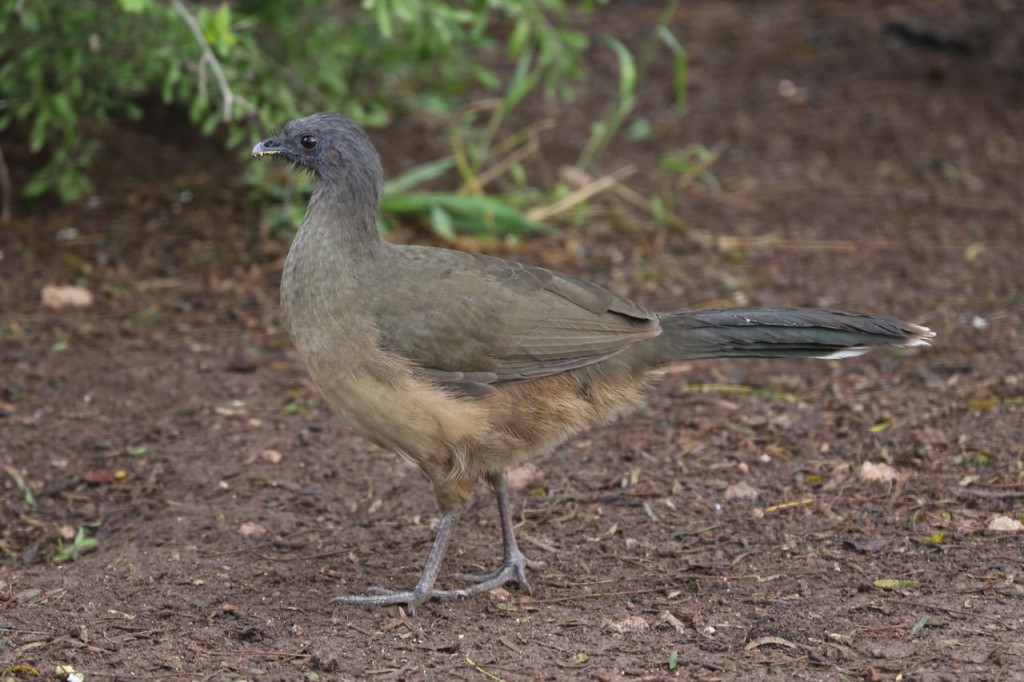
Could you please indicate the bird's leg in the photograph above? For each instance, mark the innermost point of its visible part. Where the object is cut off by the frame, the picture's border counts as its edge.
(424, 589)
(513, 568)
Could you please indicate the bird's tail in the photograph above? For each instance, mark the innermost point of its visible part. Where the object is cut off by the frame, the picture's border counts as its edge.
(780, 333)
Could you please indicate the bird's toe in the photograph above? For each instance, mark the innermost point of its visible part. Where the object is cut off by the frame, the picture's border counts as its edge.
(513, 570)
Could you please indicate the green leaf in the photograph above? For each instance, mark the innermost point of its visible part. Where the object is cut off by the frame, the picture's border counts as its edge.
(681, 69)
(983, 403)
(383, 17)
(72, 185)
(879, 427)
(933, 539)
(224, 39)
(135, 6)
(524, 79)
(627, 72)
(37, 136)
(441, 222)
(425, 172)
(973, 457)
(19, 482)
(38, 185)
(896, 584)
(61, 104)
(476, 215)
(640, 130)
(604, 130)
(520, 37)
(80, 545)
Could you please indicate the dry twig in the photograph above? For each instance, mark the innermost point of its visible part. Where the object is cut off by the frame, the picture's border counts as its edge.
(6, 194)
(229, 97)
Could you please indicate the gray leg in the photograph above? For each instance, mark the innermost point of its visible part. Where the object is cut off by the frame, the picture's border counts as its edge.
(513, 568)
(424, 589)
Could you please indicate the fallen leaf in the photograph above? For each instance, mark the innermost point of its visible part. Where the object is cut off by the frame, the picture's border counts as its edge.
(933, 539)
(97, 476)
(628, 624)
(896, 584)
(500, 593)
(666, 618)
(762, 641)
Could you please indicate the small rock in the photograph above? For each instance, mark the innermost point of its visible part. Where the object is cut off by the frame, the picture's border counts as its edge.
(250, 529)
(28, 595)
(242, 362)
(235, 408)
(272, 456)
(1005, 524)
(741, 491)
(878, 473)
(57, 297)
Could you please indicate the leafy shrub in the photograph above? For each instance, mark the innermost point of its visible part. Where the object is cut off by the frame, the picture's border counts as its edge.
(67, 67)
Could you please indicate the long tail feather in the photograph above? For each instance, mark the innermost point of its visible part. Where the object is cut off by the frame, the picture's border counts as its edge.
(781, 332)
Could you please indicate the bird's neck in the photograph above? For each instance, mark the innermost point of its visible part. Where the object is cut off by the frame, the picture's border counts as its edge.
(345, 217)
(336, 244)
(340, 226)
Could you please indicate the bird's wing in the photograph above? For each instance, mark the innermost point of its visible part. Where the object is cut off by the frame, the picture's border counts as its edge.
(474, 321)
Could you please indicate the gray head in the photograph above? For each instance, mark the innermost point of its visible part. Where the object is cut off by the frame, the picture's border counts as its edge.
(334, 148)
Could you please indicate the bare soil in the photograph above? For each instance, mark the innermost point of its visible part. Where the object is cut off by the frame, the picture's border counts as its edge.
(755, 520)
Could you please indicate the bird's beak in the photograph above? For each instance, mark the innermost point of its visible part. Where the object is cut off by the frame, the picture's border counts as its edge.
(266, 148)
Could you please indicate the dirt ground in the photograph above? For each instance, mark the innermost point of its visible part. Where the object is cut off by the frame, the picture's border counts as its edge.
(755, 520)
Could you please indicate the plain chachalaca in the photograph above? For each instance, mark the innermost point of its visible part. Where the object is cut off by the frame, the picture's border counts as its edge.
(466, 364)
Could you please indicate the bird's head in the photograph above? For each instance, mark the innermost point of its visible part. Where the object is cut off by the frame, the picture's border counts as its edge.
(333, 147)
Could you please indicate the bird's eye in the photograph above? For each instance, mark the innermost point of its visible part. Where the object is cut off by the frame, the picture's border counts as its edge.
(307, 141)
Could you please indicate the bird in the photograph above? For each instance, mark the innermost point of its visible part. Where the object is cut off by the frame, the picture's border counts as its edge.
(466, 364)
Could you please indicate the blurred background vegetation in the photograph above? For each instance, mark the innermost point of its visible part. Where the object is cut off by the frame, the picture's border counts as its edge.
(69, 70)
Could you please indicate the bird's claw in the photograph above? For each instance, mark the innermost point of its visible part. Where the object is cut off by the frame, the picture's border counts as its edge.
(410, 599)
(513, 570)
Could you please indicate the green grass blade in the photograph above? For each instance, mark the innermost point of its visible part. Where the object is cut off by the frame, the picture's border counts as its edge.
(604, 131)
(422, 173)
(479, 215)
(682, 65)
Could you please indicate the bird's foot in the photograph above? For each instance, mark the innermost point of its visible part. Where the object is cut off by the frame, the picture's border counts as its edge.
(380, 596)
(513, 570)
